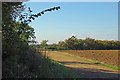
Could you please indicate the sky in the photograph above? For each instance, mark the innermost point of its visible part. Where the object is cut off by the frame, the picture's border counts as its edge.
(98, 20)
(72, 0)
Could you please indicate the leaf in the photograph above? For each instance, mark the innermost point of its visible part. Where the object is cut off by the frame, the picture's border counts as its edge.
(36, 15)
(59, 7)
(56, 8)
(53, 8)
(29, 9)
(20, 18)
(42, 12)
(46, 10)
(39, 14)
(33, 18)
(49, 9)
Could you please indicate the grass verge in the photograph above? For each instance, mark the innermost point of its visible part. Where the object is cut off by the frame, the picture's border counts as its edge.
(97, 62)
(33, 65)
(63, 71)
(103, 64)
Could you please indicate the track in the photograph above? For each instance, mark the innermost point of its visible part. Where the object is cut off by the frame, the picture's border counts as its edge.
(83, 68)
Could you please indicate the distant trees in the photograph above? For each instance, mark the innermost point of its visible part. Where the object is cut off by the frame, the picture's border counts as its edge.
(89, 43)
(53, 47)
(44, 44)
(74, 43)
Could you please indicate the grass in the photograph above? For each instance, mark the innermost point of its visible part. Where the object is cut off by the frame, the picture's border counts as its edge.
(68, 73)
(110, 66)
(33, 65)
(103, 64)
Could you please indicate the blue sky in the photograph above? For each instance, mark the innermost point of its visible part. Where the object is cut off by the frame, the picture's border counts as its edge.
(98, 20)
(74, 1)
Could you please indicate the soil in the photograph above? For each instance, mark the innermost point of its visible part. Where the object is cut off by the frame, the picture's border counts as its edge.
(106, 56)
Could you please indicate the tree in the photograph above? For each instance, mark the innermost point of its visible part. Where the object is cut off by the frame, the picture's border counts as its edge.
(26, 33)
(44, 45)
(72, 42)
(16, 35)
(89, 43)
(62, 45)
(10, 38)
(15, 26)
(53, 46)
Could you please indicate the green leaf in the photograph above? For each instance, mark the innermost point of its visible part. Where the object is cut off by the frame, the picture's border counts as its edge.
(42, 12)
(39, 14)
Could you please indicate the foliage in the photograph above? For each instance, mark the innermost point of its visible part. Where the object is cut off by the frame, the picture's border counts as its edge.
(74, 43)
(17, 33)
(33, 65)
(20, 60)
(44, 44)
(52, 47)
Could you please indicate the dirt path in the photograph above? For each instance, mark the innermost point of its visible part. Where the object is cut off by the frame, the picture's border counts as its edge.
(83, 68)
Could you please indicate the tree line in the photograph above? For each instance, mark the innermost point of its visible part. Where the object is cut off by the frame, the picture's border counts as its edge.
(74, 43)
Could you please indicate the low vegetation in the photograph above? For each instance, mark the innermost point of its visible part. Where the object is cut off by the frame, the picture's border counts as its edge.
(34, 65)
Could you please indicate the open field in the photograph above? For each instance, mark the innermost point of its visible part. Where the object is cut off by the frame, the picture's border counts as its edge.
(83, 68)
(105, 56)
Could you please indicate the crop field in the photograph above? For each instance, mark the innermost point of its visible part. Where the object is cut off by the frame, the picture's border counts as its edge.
(106, 56)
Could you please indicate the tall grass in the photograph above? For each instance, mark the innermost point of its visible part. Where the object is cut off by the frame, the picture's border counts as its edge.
(31, 64)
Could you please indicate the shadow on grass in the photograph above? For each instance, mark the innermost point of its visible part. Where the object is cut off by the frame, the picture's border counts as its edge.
(92, 72)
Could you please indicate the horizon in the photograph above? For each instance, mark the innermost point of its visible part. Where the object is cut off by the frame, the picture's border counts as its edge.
(79, 38)
(97, 20)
